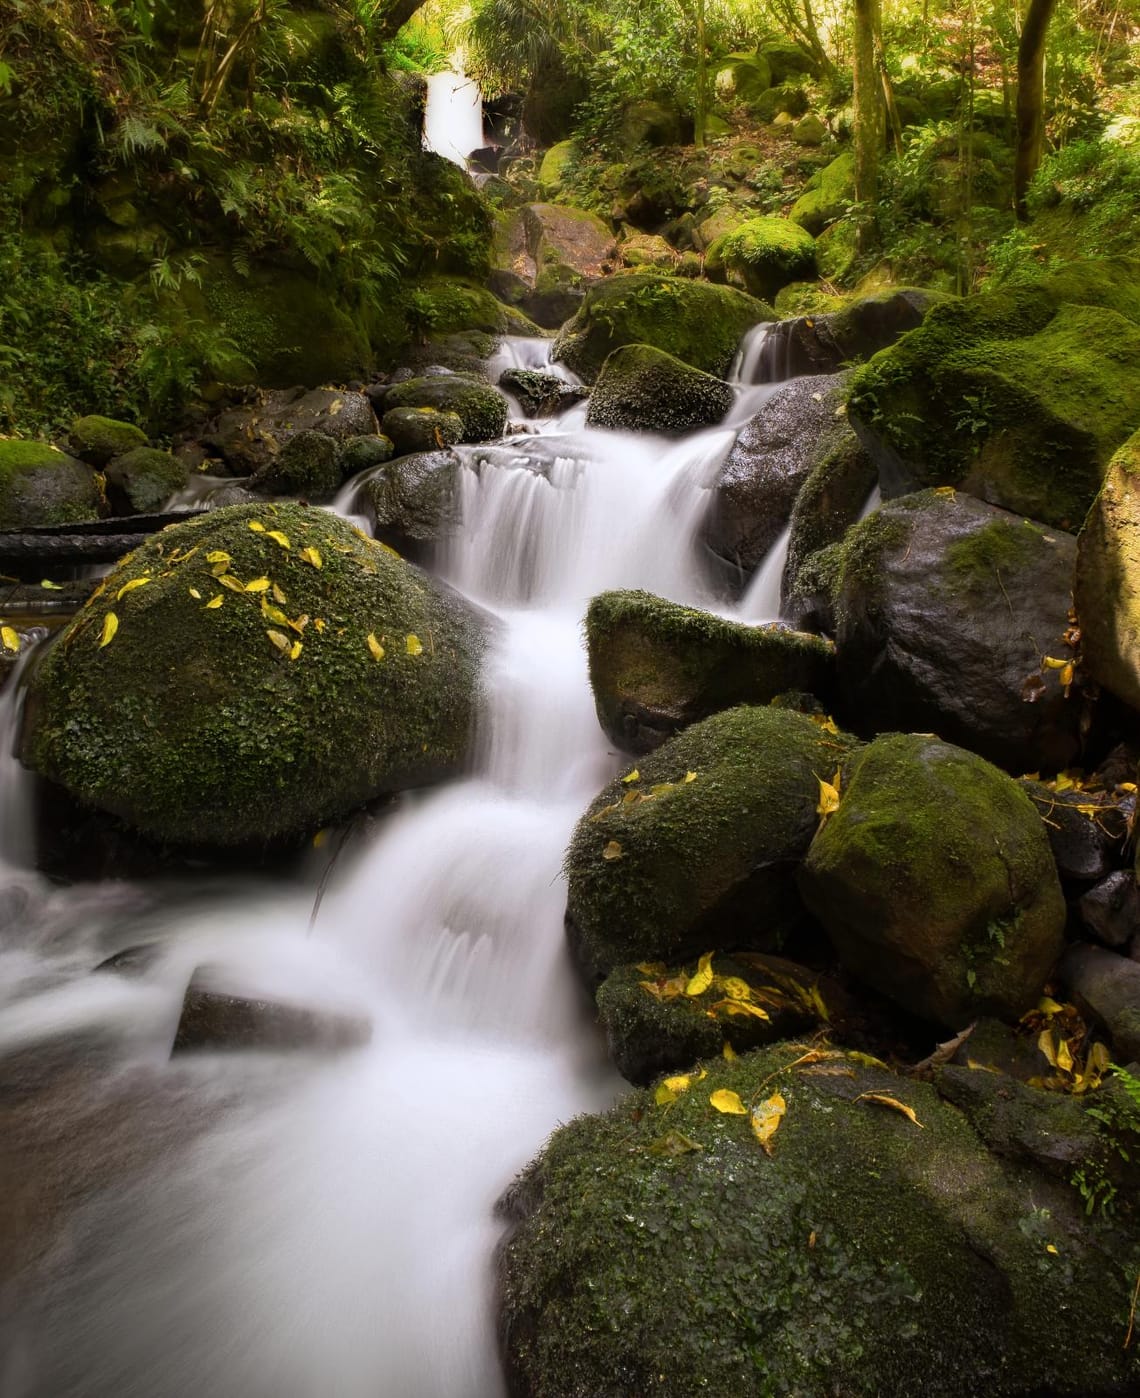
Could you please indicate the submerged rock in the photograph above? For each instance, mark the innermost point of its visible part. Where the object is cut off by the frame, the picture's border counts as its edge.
(699, 851)
(231, 685)
(656, 666)
(935, 882)
(660, 1248)
(215, 1018)
(642, 389)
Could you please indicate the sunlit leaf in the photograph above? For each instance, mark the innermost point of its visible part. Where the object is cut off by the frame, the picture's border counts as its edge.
(313, 556)
(634, 776)
(295, 650)
(1064, 1057)
(700, 981)
(766, 1120)
(278, 595)
(728, 1052)
(110, 626)
(690, 777)
(727, 1101)
(257, 526)
(298, 624)
(413, 645)
(219, 569)
(662, 788)
(1066, 676)
(612, 851)
(11, 638)
(280, 640)
(1046, 1045)
(670, 1089)
(740, 1008)
(882, 1100)
(1049, 1247)
(674, 1143)
(947, 492)
(736, 988)
(828, 796)
(258, 585)
(214, 603)
(375, 647)
(218, 556)
(197, 596)
(51, 586)
(279, 538)
(1048, 1006)
(228, 580)
(272, 613)
(130, 587)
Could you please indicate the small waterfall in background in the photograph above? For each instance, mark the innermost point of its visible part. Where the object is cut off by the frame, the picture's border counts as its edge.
(453, 116)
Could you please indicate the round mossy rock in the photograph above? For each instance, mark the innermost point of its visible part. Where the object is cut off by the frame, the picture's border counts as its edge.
(144, 479)
(98, 440)
(699, 323)
(421, 429)
(657, 667)
(268, 668)
(363, 453)
(40, 485)
(661, 1249)
(761, 255)
(642, 389)
(828, 196)
(935, 882)
(671, 865)
(307, 465)
(414, 502)
(481, 408)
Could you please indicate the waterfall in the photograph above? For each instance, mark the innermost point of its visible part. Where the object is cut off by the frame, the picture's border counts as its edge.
(453, 116)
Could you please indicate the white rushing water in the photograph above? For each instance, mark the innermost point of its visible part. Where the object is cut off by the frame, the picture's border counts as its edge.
(453, 116)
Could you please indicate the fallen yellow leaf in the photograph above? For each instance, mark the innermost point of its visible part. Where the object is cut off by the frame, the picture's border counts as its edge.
(110, 626)
(197, 596)
(213, 603)
(258, 585)
(279, 595)
(634, 776)
(375, 647)
(51, 586)
(670, 1089)
(313, 556)
(700, 981)
(739, 1007)
(11, 638)
(766, 1120)
(612, 851)
(218, 556)
(228, 580)
(828, 796)
(130, 587)
(257, 526)
(280, 640)
(690, 777)
(279, 538)
(294, 650)
(727, 1101)
(729, 1052)
(413, 645)
(882, 1100)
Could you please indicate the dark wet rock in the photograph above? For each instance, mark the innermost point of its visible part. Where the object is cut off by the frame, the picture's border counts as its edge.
(41, 485)
(133, 961)
(642, 389)
(481, 408)
(656, 666)
(213, 1018)
(249, 437)
(144, 479)
(306, 466)
(1110, 911)
(701, 862)
(825, 344)
(1087, 830)
(421, 429)
(414, 502)
(935, 882)
(1105, 987)
(945, 608)
(363, 453)
(539, 394)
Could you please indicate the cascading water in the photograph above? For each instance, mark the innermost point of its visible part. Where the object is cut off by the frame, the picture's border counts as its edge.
(453, 116)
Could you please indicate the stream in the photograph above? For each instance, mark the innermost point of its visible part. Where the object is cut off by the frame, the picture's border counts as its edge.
(290, 1226)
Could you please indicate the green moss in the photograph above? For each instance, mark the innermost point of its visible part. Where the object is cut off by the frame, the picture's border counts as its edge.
(421, 429)
(557, 164)
(40, 485)
(707, 863)
(642, 389)
(99, 439)
(481, 408)
(762, 255)
(696, 322)
(147, 478)
(193, 727)
(1001, 546)
(306, 466)
(659, 1249)
(442, 306)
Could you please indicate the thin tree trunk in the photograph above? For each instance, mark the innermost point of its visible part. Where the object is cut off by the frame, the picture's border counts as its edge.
(1030, 99)
(702, 79)
(868, 120)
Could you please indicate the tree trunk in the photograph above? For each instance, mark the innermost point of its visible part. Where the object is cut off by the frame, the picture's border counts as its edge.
(1030, 99)
(702, 79)
(868, 120)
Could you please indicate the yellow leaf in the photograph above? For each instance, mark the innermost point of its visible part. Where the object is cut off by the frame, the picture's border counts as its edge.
(662, 788)
(313, 556)
(735, 988)
(1048, 1006)
(218, 556)
(318, 622)
(830, 726)
(868, 1060)
(272, 613)
(1064, 1057)
(279, 595)
(1050, 1248)
(320, 838)
(729, 1053)
(766, 1120)
(413, 645)
(197, 596)
(740, 1007)
(727, 1101)
(671, 1088)
(828, 796)
(650, 968)
(279, 538)
(130, 587)
(214, 602)
(375, 647)
(10, 637)
(258, 585)
(690, 777)
(257, 526)
(280, 640)
(110, 626)
(294, 650)
(51, 586)
(947, 492)
(299, 624)
(612, 851)
(1126, 786)
(634, 776)
(219, 568)
(881, 1100)
(228, 580)
(1047, 1047)
(1050, 662)
(1067, 676)
(702, 979)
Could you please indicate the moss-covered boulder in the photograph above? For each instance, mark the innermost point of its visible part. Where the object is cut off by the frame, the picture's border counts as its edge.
(545, 255)
(761, 255)
(786, 59)
(143, 480)
(249, 436)
(658, 1018)
(1018, 396)
(268, 668)
(556, 165)
(661, 1249)
(642, 389)
(935, 882)
(742, 77)
(481, 408)
(698, 851)
(656, 667)
(828, 194)
(97, 440)
(699, 323)
(41, 485)
(952, 617)
(307, 466)
(1107, 590)
(363, 453)
(414, 502)
(421, 429)
(774, 454)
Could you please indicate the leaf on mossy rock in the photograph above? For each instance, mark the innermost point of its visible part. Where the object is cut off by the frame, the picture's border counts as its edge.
(728, 1102)
(766, 1120)
(130, 587)
(700, 981)
(110, 626)
(612, 851)
(882, 1100)
(674, 1143)
(669, 1089)
(11, 638)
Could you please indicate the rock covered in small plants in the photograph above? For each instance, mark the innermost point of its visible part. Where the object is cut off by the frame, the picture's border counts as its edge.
(421, 429)
(42, 485)
(414, 501)
(953, 617)
(761, 255)
(143, 480)
(249, 437)
(802, 1221)
(308, 465)
(699, 323)
(935, 882)
(642, 389)
(825, 344)
(696, 848)
(98, 440)
(827, 195)
(481, 408)
(656, 666)
(1018, 396)
(248, 675)
(363, 453)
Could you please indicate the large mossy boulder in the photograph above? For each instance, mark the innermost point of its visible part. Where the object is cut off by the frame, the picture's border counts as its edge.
(948, 612)
(775, 452)
(98, 440)
(1107, 590)
(481, 408)
(761, 255)
(307, 466)
(267, 668)
(545, 255)
(742, 77)
(699, 323)
(828, 195)
(699, 850)
(1018, 396)
(660, 1249)
(657, 667)
(143, 480)
(249, 436)
(41, 485)
(935, 882)
(642, 389)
